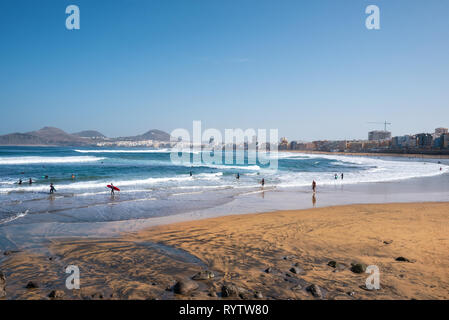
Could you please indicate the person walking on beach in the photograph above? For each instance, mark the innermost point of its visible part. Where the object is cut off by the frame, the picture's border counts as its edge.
(52, 188)
(314, 186)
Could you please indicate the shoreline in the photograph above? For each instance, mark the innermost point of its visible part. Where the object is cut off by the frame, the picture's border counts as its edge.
(371, 154)
(257, 253)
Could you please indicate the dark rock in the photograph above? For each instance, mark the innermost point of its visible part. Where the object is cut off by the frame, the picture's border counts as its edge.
(337, 265)
(185, 287)
(2, 285)
(258, 295)
(204, 275)
(269, 270)
(388, 241)
(230, 290)
(9, 252)
(297, 270)
(56, 294)
(315, 291)
(358, 267)
(32, 285)
(402, 259)
(97, 296)
(290, 257)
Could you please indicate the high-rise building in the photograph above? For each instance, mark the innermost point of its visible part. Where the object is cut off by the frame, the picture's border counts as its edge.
(440, 131)
(424, 140)
(378, 135)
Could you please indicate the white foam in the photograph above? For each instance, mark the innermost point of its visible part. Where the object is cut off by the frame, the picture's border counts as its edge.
(124, 151)
(38, 160)
(373, 170)
(14, 217)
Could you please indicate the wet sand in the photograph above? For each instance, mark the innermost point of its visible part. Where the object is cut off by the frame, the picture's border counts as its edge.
(240, 248)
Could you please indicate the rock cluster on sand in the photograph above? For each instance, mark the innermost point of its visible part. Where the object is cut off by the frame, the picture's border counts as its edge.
(185, 287)
(315, 291)
(2, 285)
(337, 265)
(204, 275)
(229, 290)
(56, 294)
(358, 267)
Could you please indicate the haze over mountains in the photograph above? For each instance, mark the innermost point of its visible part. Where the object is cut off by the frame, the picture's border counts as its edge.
(50, 136)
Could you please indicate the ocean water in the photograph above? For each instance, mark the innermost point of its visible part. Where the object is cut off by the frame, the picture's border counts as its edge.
(153, 186)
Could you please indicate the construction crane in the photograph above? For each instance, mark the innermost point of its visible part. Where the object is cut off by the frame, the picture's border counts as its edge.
(384, 123)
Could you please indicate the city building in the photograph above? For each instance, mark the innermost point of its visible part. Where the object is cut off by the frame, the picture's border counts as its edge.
(424, 140)
(378, 135)
(440, 131)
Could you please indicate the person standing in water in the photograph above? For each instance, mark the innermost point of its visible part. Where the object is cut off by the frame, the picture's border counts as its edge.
(52, 188)
(73, 176)
(336, 176)
(112, 189)
(314, 186)
(262, 182)
(238, 176)
(191, 174)
(30, 181)
(20, 181)
(342, 176)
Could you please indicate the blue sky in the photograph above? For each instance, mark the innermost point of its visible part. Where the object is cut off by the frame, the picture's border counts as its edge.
(309, 68)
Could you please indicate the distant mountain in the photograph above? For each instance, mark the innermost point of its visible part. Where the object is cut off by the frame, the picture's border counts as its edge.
(50, 136)
(156, 135)
(55, 136)
(45, 136)
(92, 134)
(20, 139)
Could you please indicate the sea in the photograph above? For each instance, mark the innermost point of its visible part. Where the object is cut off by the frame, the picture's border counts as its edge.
(152, 185)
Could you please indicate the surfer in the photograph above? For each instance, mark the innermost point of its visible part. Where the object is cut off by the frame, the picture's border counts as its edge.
(30, 181)
(45, 177)
(238, 176)
(20, 181)
(73, 176)
(52, 188)
(342, 176)
(112, 189)
(336, 176)
(314, 186)
(191, 173)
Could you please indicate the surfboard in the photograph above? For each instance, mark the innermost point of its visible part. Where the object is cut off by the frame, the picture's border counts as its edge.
(115, 188)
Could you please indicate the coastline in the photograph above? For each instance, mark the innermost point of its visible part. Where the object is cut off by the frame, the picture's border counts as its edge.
(255, 252)
(368, 154)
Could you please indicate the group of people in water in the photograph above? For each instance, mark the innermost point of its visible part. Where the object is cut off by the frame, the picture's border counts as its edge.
(52, 187)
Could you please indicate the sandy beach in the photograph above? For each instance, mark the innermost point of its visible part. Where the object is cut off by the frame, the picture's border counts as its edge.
(277, 255)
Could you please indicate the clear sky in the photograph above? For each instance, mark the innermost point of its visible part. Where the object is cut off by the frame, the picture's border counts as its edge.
(309, 68)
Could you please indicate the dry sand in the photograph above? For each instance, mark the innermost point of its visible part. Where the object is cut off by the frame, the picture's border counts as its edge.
(238, 249)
